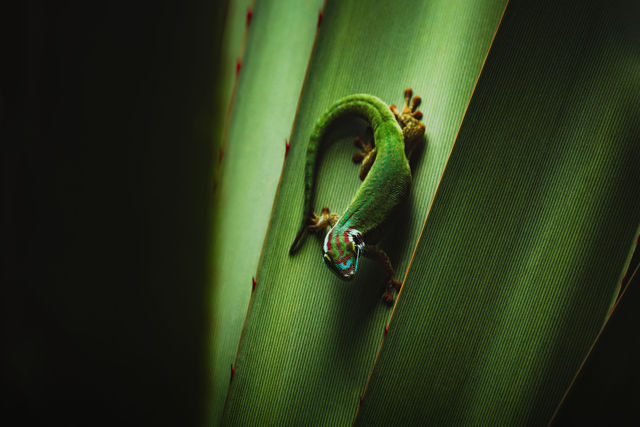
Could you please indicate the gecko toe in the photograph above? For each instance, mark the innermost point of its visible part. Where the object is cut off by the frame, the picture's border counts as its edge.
(415, 103)
(387, 297)
(408, 93)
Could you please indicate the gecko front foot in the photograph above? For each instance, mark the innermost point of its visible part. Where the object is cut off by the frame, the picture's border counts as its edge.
(367, 156)
(326, 219)
(373, 252)
(387, 295)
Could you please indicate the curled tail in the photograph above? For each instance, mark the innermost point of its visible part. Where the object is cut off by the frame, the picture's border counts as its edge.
(294, 246)
(309, 179)
(369, 107)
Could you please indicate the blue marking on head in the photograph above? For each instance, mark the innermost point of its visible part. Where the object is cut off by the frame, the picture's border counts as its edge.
(345, 265)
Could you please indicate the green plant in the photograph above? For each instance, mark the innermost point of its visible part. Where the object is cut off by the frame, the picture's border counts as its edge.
(519, 227)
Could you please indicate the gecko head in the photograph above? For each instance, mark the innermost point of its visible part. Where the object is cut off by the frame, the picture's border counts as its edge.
(341, 250)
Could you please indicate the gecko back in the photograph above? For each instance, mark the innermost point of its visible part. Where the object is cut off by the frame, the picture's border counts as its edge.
(386, 132)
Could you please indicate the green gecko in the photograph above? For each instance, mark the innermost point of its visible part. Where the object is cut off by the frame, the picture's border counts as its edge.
(386, 179)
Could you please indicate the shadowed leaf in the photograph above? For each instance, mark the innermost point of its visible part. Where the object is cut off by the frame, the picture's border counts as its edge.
(530, 231)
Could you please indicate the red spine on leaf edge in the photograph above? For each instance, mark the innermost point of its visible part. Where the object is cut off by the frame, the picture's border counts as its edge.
(238, 66)
(287, 146)
(320, 18)
(233, 371)
(386, 329)
(220, 154)
(249, 16)
(253, 284)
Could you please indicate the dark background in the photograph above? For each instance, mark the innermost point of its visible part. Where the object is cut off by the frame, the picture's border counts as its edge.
(106, 123)
(106, 127)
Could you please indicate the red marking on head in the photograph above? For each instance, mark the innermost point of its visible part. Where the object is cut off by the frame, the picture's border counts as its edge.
(287, 146)
(238, 66)
(340, 248)
(338, 245)
(320, 18)
(344, 259)
(253, 284)
(346, 236)
(249, 16)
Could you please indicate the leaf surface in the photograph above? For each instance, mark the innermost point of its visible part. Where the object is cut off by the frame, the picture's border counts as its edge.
(264, 104)
(310, 339)
(530, 231)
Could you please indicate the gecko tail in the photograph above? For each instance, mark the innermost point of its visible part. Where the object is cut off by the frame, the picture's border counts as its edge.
(296, 242)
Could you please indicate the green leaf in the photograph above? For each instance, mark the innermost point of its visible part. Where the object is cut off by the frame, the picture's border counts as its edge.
(310, 339)
(530, 231)
(270, 79)
(605, 391)
(233, 38)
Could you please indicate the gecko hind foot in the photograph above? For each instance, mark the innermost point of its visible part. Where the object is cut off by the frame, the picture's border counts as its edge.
(413, 110)
(365, 148)
(409, 120)
(366, 156)
(409, 109)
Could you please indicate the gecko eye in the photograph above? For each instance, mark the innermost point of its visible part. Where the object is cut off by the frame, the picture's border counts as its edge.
(357, 238)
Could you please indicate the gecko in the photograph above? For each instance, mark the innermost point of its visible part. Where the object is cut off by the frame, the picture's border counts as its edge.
(385, 175)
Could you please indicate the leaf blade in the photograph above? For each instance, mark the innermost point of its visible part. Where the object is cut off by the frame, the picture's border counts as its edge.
(493, 319)
(310, 340)
(274, 64)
